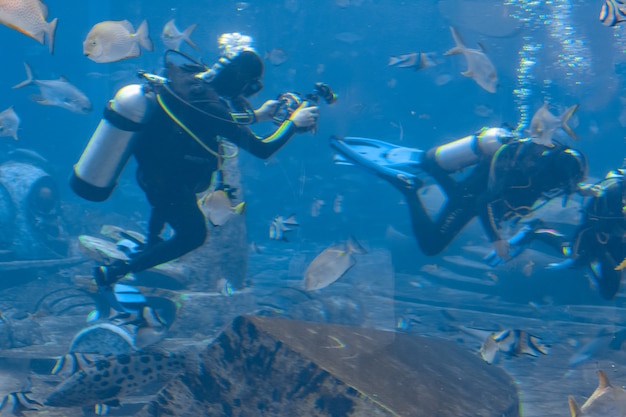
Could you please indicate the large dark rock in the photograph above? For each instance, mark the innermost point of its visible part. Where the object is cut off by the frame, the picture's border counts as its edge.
(276, 367)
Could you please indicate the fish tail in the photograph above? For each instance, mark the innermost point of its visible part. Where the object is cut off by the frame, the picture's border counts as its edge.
(50, 31)
(458, 40)
(425, 61)
(240, 208)
(29, 77)
(187, 33)
(566, 116)
(144, 36)
(393, 61)
(354, 246)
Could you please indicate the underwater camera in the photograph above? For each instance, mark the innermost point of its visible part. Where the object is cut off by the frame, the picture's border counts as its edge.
(290, 101)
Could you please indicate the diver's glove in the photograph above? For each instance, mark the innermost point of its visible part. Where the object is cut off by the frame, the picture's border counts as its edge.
(516, 244)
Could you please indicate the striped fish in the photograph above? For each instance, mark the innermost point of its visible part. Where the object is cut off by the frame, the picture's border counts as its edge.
(613, 12)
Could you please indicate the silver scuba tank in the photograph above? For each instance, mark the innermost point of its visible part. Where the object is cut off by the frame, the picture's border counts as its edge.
(467, 151)
(105, 156)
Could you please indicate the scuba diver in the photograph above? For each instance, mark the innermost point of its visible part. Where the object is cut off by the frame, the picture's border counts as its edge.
(510, 178)
(173, 126)
(599, 241)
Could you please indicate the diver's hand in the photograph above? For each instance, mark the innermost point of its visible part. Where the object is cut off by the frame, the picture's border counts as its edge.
(305, 117)
(500, 253)
(266, 111)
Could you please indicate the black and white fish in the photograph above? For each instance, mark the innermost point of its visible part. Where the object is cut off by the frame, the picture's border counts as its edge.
(280, 225)
(613, 12)
(58, 93)
(512, 342)
(415, 60)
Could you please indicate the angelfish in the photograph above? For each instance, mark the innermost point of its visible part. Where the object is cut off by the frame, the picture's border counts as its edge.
(544, 124)
(331, 264)
(172, 37)
(479, 66)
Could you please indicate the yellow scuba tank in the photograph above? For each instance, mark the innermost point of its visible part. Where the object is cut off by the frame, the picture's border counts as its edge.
(105, 156)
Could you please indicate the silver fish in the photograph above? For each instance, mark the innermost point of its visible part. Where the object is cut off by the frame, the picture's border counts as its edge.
(280, 225)
(103, 381)
(58, 93)
(613, 12)
(172, 37)
(276, 56)
(606, 401)
(219, 208)
(331, 264)
(479, 66)
(9, 123)
(29, 17)
(544, 124)
(415, 60)
(111, 41)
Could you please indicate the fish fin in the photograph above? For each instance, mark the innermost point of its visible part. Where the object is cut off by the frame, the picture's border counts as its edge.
(458, 40)
(566, 116)
(467, 73)
(603, 380)
(573, 407)
(425, 61)
(144, 37)
(454, 51)
(291, 220)
(38, 98)
(393, 61)
(187, 33)
(29, 77)
(240, 208)
(354, 246)
(50, 31)
(482, 47)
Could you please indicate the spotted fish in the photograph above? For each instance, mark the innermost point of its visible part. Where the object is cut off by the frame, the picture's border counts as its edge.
(103, 381)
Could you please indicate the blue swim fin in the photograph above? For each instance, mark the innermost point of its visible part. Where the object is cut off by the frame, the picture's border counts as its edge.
(388, 161)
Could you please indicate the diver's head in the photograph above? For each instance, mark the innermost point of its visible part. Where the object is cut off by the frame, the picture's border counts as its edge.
(240, 76)
(570, 169)
(239, 70)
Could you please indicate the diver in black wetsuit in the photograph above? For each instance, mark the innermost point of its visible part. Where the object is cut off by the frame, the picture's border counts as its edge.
(178, 148)
(509, 178)
(599, 242)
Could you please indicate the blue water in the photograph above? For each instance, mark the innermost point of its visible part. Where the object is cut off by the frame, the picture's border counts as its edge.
(556, 51)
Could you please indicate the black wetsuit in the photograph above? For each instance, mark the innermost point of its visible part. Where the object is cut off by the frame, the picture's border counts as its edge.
(173, 167)
(499, 188)
(599, 242)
